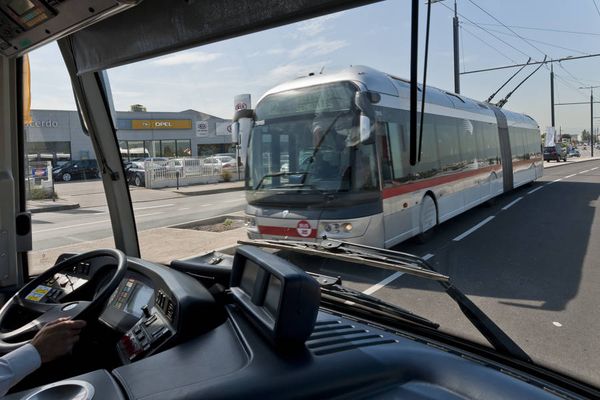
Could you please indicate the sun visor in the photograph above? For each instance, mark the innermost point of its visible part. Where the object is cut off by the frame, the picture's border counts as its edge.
(158, 27)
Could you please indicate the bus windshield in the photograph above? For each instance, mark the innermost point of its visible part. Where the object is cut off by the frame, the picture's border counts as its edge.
(307, 139)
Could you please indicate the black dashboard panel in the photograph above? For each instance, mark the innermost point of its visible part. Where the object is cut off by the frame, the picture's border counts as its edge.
(342, 359)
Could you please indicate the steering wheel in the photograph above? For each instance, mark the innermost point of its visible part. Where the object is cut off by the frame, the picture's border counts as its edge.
(51, 311)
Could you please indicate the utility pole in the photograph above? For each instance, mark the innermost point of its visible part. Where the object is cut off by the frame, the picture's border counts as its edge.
(591, 116)
(552, 92)
(456, 47)
(456, 60)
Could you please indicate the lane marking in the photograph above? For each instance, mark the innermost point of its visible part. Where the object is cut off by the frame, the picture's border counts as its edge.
(473, 229)
(535, 190)
(557, 324)
(149, 207)
(554, 181)
(206, 205)
(89, 223)
(184, 208)
(584, 172)
(512, 203)
(570, 176)
(593, 169)
(390, 278)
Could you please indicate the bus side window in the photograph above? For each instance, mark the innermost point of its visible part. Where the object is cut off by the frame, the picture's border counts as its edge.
(399, 148)
(385, 153)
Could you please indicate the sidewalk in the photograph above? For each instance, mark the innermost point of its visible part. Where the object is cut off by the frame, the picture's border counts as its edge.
(572, 160)
(209, 188)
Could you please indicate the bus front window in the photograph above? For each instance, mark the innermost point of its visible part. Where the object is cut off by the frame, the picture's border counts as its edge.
(311, 146)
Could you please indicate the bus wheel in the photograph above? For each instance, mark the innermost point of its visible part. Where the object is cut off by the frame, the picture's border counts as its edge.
(427, 219)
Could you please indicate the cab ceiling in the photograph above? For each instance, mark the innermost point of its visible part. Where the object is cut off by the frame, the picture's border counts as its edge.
(158, 27)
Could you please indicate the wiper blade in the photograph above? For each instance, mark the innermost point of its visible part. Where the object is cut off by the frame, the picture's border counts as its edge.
(407, 263)
(259, 184)
(342, 251)
(342, 296)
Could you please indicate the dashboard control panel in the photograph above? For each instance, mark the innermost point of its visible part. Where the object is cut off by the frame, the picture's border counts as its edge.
(55, 288)
(145, 337)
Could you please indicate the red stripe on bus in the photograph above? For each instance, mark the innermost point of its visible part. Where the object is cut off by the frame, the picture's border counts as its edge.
(284, 231)
(426, 183)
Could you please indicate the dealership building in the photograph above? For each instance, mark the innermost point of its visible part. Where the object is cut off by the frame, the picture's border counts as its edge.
(58, 135)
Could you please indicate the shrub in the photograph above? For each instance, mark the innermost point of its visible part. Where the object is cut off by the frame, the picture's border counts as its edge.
(41, 194)
(226, 175)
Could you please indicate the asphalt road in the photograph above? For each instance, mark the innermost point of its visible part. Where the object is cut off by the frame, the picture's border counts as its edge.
(531, 262)
(152, 210)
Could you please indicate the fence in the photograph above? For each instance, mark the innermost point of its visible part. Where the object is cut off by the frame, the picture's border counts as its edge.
(185, 172)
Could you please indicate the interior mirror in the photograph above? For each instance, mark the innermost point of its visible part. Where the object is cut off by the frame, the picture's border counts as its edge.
(365, 129)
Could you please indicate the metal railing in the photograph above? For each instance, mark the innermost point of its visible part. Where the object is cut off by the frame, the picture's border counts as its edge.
(185, 172)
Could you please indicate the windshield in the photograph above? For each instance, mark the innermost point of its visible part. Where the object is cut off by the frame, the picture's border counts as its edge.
(515, 227)
(307, 139)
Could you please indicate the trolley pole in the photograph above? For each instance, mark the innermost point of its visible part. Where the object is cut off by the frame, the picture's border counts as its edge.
(456, 51)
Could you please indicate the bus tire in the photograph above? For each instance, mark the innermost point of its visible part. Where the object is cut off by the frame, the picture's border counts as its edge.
(427, 219)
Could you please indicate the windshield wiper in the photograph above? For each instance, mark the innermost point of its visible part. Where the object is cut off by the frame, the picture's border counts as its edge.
(333, 293)
(409, 264)
(259, 184)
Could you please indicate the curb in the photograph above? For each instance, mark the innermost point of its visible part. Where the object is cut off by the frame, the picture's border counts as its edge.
(210, 191)
(209, 221)
(61, 207)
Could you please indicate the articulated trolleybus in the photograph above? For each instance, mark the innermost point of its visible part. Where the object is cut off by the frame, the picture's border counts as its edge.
(328, 155)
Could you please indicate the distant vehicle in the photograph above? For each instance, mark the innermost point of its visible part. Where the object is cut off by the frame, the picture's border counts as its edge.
(221, 162)
(556, 153)
(136, 173)
(232, 155)
(79, 169)
(574, 153)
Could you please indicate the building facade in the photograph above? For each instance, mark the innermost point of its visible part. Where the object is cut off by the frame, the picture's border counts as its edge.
(57, 135)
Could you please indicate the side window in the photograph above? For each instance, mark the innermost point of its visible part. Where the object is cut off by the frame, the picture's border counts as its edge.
(448, 143)
(468, 143)
(399, 150)
(516, 143)
(429, 164)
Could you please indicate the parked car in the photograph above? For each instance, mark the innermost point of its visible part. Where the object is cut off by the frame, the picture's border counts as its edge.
(574, 153)
(77, 169)
(556, 153)
(136, 173)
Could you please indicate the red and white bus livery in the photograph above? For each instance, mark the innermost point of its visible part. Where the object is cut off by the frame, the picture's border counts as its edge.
(328, 155)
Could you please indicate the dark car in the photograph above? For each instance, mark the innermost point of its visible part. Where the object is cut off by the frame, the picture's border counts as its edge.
(574, 153)
(136, 173)
(79, 169)
(556, 153)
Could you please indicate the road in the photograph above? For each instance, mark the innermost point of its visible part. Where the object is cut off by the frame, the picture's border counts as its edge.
(531, 262)
(153, 209)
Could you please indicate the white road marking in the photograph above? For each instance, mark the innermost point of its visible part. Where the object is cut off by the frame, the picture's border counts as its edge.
(512, 203)
(570, 176)
(557, 324)
(390, 278)
(88, 223)
(584, 172)
(554, 181)
(593, 169)
(473, 229)
(184, 208)
(206, 205)
(535, 190)
(232, 200)
(148, 208)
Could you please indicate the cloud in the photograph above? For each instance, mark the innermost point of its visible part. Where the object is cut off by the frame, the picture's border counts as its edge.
(317, 25)
(195, 57)
(294, 70)
(231, 68)
(318, 48)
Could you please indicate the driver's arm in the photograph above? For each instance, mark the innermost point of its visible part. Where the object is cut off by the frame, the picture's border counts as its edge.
(52, 341)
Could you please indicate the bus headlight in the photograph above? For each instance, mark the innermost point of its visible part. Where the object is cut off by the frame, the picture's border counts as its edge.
(337, 227)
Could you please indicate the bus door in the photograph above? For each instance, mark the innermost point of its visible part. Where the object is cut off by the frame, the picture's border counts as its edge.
(505, 153)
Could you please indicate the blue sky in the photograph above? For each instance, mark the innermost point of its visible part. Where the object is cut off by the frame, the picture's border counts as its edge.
(206, 78)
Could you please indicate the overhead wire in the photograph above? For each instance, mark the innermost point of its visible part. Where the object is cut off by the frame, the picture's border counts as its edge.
(541, 42)
(489, 45)
(543, 29)
(500, 22)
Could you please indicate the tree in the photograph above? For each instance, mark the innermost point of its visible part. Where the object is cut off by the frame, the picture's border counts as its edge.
(585, 136)
(566, 136)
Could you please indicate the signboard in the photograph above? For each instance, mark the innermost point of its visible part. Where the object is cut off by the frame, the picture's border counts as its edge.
(550, 136)
(50, 123)
(241, 102)
(201, 128)
(39, 172)
(223, 128)
(161, 124)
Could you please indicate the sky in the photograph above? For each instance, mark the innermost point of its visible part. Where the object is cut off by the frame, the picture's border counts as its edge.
(492, 33)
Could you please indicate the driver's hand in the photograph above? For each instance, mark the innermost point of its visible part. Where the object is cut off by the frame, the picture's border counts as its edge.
(57, 338)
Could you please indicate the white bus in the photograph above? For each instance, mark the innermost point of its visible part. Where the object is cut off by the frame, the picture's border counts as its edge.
(311, 173)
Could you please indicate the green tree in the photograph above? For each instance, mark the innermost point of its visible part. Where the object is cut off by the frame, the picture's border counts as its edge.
(585, 136)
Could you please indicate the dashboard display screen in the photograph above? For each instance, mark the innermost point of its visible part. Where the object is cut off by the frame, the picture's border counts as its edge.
(273, 295)
(249, 275)
(140, 297)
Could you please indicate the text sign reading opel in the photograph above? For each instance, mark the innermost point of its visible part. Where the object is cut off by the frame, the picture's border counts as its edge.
(161, 124)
